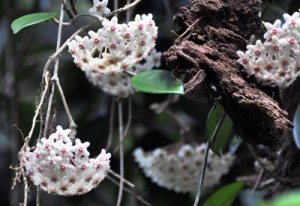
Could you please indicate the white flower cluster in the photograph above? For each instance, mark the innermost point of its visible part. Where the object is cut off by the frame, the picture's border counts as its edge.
(99, 8)
(118, 84)
(180, 170)
(275, 62)
(61, 167)
(115, 47)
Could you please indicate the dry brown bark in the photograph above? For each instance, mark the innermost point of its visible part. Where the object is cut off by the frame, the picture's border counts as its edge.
(206, 53)
(210, 32)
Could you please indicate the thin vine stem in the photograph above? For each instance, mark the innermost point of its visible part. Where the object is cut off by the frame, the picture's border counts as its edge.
(127, 127)
(121, 132)
(59, 34)
(111, 123)
(209, 143)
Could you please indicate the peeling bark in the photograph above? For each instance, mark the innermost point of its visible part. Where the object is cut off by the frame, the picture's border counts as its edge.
(206, 53)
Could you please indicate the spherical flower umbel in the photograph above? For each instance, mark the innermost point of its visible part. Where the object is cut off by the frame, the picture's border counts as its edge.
(62, 167)
(179, 168)
(118, 84)
(115, 47)
(275, 62)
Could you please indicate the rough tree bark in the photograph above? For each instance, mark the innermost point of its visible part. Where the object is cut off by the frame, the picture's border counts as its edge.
(210, 33)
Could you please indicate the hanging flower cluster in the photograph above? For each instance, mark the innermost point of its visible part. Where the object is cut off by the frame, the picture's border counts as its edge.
(99, 8)
(118, 84)
(180, 169)
(61, 167)
(115, 47)
(275, 62)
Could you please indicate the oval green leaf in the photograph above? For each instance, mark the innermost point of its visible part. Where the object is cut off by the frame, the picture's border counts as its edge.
(296, 129)
(225, 196)
(225, 132)
(157, 82)
(30, 19)
(288, 199)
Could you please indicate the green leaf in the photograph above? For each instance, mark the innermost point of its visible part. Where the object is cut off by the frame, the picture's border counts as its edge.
(30, 19)
(225, 133)
(225, 196)
(288, 199)
(157, 82)
(296, 129)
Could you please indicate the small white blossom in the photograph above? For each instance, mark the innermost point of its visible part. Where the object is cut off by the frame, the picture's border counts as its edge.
(99, 8)
(61, 167)
(179, 168)
(275, 62)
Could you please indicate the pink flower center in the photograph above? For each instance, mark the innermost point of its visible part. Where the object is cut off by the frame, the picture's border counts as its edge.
(293, 22)
(81, 46)
(62, 167)
(140, 26)
(112, 28)
(113, 45)
(276, 47)
(127, 35)
(257, 69)
(245, 61)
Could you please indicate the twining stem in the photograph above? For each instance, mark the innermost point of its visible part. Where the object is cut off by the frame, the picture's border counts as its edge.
(111, 123)
(121, 133)
(209, 143)
(58, 42)
(116, 6)
(129, 119)
(128, 13)
(72, 124)
(59, 34)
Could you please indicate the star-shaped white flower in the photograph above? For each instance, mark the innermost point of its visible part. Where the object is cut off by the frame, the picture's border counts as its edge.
(100, 8)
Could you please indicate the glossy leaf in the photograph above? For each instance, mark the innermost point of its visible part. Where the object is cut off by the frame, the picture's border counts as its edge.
(225, 196)
(296, 129)
(288, 199)
(30, 19)
(157, 82)
(225, 133)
